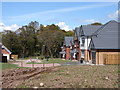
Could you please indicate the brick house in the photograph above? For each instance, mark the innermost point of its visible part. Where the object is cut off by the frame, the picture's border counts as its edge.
(67, 47)
(79, 48)
(91, 41)
(5, 52)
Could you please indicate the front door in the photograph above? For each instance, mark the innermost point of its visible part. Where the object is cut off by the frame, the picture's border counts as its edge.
(4, 59)
(71, 56)
(93, 53)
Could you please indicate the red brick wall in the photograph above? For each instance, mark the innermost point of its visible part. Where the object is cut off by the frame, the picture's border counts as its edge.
(67, 53)
(4, 51)
(79, 52)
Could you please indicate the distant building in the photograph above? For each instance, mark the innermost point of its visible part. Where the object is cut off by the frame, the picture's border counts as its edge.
(93, 43)
(4, 52)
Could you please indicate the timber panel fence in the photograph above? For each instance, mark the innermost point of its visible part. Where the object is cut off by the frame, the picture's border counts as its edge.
(111, 58)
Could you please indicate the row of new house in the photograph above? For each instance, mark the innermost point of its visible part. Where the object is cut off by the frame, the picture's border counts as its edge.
(95, 43)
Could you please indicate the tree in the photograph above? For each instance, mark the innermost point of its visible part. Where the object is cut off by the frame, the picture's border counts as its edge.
(34, 25)
(29, 40)
(52, 38)
(0, 37)
(69, 33)
(10, 40)
(96, 23)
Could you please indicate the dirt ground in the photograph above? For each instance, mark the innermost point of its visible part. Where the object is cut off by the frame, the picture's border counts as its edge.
(78, 76)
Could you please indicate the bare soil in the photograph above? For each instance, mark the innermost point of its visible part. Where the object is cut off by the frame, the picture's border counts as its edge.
(77, 76)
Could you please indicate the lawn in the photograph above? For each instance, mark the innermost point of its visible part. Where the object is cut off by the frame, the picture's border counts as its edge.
(4, 66)
(26, 58)
(51, 61)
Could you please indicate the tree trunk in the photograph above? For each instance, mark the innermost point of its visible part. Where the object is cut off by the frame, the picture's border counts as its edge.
(51, 54)
(23, 56)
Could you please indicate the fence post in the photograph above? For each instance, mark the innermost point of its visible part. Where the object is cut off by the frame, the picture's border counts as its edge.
(53, 63)
(33, 64)
(61, 62)
(21, 64)
(9, 64)
(43, 64)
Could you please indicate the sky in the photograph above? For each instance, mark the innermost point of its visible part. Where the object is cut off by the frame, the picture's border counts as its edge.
(67, 15)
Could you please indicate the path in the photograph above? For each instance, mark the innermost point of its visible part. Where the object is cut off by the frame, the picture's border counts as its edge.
(24, 64)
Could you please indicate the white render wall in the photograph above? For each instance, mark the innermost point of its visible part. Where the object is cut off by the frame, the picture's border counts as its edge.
(85, 45)
(8, 56)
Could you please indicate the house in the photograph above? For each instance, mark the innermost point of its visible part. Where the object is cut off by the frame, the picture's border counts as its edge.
(76, 48)
(67, 47)
(5, 53)
(85, 35)
(105, 42)
(93, 43)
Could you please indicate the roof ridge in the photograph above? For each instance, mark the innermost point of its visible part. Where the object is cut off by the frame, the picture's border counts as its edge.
(88, 30)
(91, 25)
(6, 48)
(99, 30)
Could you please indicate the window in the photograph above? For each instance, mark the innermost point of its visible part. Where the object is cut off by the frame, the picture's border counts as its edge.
(75, 44)
(83, 41)
(82, 53)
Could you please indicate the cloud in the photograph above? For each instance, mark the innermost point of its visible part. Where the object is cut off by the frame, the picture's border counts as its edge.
(12, 27)
(114, 15)
(44, 25)
(88, 21)
(38, 14)
(91, 21)
(63, 26)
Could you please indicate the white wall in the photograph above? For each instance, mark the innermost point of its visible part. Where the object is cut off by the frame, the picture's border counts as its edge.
(8, 56)
(87, 42)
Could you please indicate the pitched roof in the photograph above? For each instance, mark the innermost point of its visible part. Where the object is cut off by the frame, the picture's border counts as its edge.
(88, 30)
(77, 29)
(5, 48)
(107, 36)
(69, 41)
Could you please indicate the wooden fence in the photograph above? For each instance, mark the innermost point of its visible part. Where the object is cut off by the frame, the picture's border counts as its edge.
(111, 58)
(14, 56)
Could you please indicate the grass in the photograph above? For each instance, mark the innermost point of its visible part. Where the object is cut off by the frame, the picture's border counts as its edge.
(11, 66)
(51, 61)
(26, 58)
(12, 61)
(33, 57)
(34, 63)
(5, 66)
